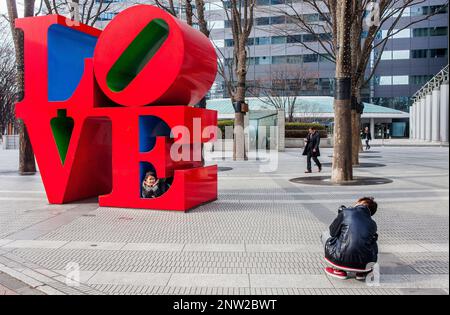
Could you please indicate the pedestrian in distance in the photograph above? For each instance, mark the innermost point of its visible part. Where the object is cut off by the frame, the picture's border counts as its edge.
(367, 137)
(312, 150)
(351, 242)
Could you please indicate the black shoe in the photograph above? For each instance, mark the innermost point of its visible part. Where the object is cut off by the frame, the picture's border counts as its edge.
(308, 172)
(320, 169)
(361, 276)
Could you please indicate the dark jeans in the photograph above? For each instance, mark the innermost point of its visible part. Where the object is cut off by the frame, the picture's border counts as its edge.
(316, 160)
(367, 145)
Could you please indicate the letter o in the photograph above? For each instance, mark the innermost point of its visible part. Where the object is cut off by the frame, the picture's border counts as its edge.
(145, 56)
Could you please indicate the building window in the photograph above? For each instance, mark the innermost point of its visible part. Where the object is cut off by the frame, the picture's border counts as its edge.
(265, 60)
(229, 43)
(384, 80)
(325, 36)
(386, 55)
(406, 33)
(291, 39)
(311, 17)
(295, 59)
(400, 54)
(107, 16)
(309, 38)
(310, 58)
(419, 53)
(279, 40)
(274, 20)
(262, 41)
(279, 60)
(400, 80)
(421, 32)
(438, 31)
(438, 53)
(325, 58)
(420, 79)
(262, 21)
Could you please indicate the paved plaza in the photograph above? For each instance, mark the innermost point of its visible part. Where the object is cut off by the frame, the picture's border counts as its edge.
(260, 237)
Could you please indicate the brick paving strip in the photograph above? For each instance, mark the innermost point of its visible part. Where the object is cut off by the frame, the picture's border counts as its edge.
(30, 279)
(12, 286)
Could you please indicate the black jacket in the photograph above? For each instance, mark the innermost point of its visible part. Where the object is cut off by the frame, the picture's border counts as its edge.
(312, 142)
(155, 191)
(353, 241)
(367, 136)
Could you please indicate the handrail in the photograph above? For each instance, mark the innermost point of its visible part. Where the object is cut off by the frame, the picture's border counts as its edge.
(436, 81)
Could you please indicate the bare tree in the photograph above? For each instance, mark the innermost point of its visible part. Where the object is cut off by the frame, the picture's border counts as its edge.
(240, 14)
(384, 18)
(84, 11)
(282, 88)
(7, 79)
(27, 164)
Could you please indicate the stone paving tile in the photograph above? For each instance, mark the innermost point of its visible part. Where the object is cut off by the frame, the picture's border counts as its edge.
(93, 245)
(162, 247)
(209, 280)
(4, 242)
(214, 247)
(35, 244)
(130, 278)
(289, 281)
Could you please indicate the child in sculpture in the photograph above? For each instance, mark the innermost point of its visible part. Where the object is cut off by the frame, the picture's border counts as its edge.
(152, 187)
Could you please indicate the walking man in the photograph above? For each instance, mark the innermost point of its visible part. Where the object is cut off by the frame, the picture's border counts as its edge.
(367, 137)
(312, 151)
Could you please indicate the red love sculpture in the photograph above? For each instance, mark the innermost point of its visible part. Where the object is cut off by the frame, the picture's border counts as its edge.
(100, 135)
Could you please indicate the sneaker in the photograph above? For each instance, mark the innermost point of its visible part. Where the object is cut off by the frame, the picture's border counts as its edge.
(307, 172)
(335, 273)
(361, 276)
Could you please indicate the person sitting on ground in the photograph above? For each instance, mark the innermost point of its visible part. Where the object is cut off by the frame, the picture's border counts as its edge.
(351, 243)
(152, 187)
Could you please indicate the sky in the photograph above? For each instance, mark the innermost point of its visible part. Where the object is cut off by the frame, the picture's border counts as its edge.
(4, 10)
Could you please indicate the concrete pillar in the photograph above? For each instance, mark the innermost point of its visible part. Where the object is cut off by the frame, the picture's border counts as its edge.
(411, 122)
(428, 118)
(422, 118)
(444, 112)
(372, 127)
(417, 120)
(281, 122)
(435, 120)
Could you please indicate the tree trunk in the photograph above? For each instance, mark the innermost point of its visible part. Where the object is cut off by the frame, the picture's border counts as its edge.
(27, 165)
(342, 170)
(342, 158)
(356, 139)
(356, 130)
(239, 152)
(189, 12)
